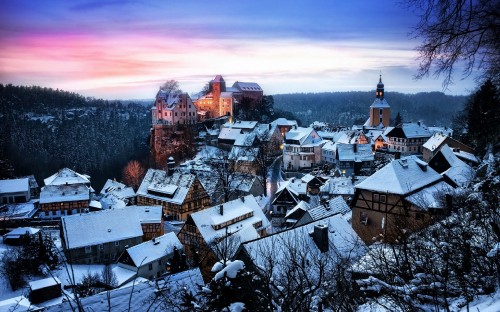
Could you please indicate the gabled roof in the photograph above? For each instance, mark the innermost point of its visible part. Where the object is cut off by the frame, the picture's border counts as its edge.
(14, 185)
(342, 240)
(429, 197)
(153, 250)
(304, 136)
(285, 122)
(118, 189)
(64, 193)
(380, 103)
(15, 233)
(241, 124)
(172, 188)
(435, 141)
(67, 176)
(345, 152)
(410, 130)
(245, 139)
(459, 172)
(401, 176)
(229, 133)
(210, 222)
(239, 153)
(107, 226)
(218, 78)
(247, 86)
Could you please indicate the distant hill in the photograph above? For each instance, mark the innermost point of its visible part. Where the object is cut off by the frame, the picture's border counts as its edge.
(43, 130)
(347, 108)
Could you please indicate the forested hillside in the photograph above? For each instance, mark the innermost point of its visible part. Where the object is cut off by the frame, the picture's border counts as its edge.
(347, 108)
(43, 130)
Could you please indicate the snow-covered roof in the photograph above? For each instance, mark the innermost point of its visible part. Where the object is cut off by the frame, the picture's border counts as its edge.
(189, 280)
(226, 95)
(154, 250)
(64, 193)
(241, 124)
(363, 152)
(107, 226)
(296, 186)
(247, 86)
(14, 186)
(240, 153)
(67, 176)
(43, 283)
(285, 122)
(401, 176)
(466, 156)
(242, 182)
(435, 141)
(118, 189)
(459, 172)
(429, 197)
(229, 133)
(444, 130)
(342, 241)
(132, 298)
(380, 103)
(212, 224)
(329, 146)
(349, 137)
(304, 136)
(338, 186)
(19, 210)
(244, 139)
(302, 205)
(148, 214)
(15, 233)
(410, 130)
(172, 188)
(17, 304)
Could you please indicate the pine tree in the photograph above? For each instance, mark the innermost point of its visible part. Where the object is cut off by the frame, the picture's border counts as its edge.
(398, 120)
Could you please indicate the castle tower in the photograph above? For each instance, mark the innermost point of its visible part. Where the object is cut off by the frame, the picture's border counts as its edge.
(380, 111)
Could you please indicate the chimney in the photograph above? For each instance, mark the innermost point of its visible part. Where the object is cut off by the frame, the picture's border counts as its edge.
(221, 210)
(170, 166)
(320, 236)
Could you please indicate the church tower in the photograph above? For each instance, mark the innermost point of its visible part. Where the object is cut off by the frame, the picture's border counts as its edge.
(380, 111)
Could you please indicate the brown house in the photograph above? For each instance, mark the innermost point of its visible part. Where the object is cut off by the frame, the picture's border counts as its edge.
(437, 141)
(178, 193)
(60, 200)
(404, 195)
(151, 218)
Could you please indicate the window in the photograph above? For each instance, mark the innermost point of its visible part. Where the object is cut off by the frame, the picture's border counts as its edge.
(117, 243)
(150, 266)
(101, 247)
(363, 218)
(382, 198)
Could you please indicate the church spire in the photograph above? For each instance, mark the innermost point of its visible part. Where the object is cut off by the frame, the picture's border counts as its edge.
(380, 89)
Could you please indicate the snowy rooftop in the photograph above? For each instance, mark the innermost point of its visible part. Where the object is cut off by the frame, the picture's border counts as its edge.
(459, 172)
(243, 153)
(189, 280)
(363, 152)
(429, 197)
(118, 189)
(207, 220)
(148, 214)
(175, 187)
(229, 133)
(247, 86)
(135, 298)
(340, 185)
(245, 139)
(21, 231)
(46, 282)
(14, 186)
(226, 95)
(17, 304)
(342, 240)
(380, 103)
(294, 185)
(466, 156)
(67, 176)
(410, 130)
(107, 226)
(435, 141)
(64, 193)
(401, 176)
(444, 130)
(329, 146)
(349, 137)
(285, 122)
(241, 124)
(298, 134)
(19, 211)
(150, 251)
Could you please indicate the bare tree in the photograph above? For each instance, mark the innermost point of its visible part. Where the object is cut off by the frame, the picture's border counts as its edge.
(455, 31)
(171, 87)
(133, 173)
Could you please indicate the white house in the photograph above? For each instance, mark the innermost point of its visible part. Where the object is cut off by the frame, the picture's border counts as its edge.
(301, 149)
(151, 258)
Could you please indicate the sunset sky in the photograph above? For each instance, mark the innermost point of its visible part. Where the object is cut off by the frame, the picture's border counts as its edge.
(121, 49)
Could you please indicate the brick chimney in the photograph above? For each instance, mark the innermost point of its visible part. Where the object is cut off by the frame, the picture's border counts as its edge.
(320, 236)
